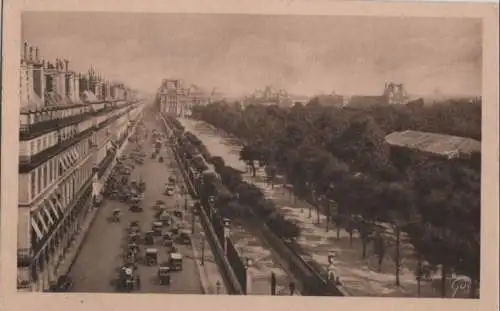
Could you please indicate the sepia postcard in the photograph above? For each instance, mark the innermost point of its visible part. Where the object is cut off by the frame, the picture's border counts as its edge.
(173, 155)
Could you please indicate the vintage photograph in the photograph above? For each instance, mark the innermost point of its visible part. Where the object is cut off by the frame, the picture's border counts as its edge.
(239, 154)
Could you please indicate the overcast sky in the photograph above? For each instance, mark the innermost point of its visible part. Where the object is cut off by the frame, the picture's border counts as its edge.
(240, 53)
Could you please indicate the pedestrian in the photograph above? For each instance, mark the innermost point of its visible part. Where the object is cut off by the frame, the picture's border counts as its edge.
(273, 284)
(292, 288)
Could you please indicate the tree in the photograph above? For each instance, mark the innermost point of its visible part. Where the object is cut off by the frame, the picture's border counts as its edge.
(249, 154)
(271, 172)
(396, 200)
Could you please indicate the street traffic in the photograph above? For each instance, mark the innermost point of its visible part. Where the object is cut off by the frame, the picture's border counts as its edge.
(140, 240)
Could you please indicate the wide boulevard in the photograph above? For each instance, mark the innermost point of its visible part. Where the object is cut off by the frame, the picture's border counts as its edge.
(96, 267)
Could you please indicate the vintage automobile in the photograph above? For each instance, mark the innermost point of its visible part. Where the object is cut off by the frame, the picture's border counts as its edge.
(153, 155)
(149, 238)
(157, 228)
(178, 213)
(136, 208)
(175, 261)
(116, 215)
(151, 256)
(165, 218)
(63, 284)
(141, 186)
(98, 200)
(169, 190)
(174, 229)
(184, 237)
(129, 279)
(134, 236)
(167, 240)
(134, 225)
(164, 274)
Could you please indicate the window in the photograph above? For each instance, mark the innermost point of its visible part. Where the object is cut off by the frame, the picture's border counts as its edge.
(55, 168)
(51, 172)
(33, 147)
(45, 175)
(33, 184)
(39, 179)
(39, 145)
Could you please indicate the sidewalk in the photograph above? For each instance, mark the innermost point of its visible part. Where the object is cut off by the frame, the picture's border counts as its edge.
(248, 247)
(64, 266)
(359, 277)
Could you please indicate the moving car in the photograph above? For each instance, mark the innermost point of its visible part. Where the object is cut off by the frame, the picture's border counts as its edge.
(184, 237)
(149, 238)
(175, 261)
(164, 274)
(63, 284)
(157, 228)
(151, 257)
(169, 190)
(129, 278)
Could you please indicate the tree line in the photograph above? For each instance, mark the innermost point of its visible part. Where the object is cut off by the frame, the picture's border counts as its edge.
(234, 197)
(338, 159)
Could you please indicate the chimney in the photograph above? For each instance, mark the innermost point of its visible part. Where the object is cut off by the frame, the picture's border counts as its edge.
(25, 50)
(31, 53)
(36, 55)
(66, 62)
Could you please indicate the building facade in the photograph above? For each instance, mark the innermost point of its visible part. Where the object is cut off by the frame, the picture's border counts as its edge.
(69, 138)
(172, 97)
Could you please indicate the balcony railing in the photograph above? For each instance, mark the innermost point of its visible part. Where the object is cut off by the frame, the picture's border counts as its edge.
(25, 256)
(26, 164)
(29, 131)
(104, 165)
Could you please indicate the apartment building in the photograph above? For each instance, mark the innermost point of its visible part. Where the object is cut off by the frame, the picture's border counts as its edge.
(67, 136)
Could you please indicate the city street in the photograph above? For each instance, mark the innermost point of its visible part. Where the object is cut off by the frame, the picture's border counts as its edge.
(96, 266)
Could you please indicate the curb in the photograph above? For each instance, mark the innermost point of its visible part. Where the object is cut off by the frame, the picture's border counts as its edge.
(91, 222)
(228, 274)
(201, 272)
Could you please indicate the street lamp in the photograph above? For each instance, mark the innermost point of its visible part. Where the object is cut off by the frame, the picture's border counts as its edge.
(202, 234)
(248, 264)
(184, 194)
(195, 208)
(332, 274)
(218, 286)
(211, 202)
(227, 232)
(314, 197)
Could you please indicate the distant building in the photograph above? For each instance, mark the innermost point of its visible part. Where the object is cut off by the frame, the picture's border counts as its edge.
(435, 144)
(172, 97)
(394, 94)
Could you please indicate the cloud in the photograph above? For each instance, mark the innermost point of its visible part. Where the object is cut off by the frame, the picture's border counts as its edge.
(239, 53)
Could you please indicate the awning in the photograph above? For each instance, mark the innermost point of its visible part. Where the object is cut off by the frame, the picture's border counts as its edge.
(45, 208)
(76, 154)
(59, 206)
(54, 208)
(44, 225)
(70, 156)
(35, 227)
(64, 163)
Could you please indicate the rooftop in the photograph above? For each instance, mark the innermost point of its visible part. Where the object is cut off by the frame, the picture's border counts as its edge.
(441, 144)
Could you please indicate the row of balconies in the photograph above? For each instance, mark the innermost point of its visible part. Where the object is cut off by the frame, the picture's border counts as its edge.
(36, 123)
(27, 163)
